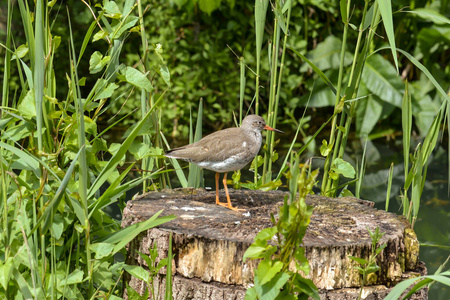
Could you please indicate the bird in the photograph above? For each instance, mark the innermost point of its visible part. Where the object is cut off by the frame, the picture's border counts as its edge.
(225, 151)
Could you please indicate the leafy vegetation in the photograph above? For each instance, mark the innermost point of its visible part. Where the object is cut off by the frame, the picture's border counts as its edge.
(355, 67)
(58, 172)
(273, 278)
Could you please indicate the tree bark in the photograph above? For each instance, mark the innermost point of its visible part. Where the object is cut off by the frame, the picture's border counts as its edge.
(209, 242)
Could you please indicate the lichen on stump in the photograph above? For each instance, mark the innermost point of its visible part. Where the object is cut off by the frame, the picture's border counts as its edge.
(209, 242)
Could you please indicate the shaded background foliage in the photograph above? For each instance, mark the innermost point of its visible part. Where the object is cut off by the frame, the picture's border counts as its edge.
(199, 38)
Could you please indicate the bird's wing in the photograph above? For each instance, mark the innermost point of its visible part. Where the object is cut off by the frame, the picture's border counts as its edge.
(217, 146)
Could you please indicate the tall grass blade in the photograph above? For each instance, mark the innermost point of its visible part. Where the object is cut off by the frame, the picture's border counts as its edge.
(114, 161)
(386, 15)
(389, 187)
(195, 172)
(168, 294)
(38, 74)
(260, 20)
(124, 236)
(178, 170)
(399, 288)
(406, 126)
(362, 171)
(242, 89)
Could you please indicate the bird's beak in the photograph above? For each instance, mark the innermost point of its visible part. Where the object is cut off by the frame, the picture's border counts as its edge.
(267, 127)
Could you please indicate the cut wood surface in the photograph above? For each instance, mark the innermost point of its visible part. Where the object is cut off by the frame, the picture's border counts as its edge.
(209, 242)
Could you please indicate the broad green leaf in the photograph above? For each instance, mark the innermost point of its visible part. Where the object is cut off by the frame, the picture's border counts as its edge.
(97, 62)
(135, 77)
(208, 6)
(254, 251)
(267, 270)
(17, 132)
(271, 289)
(368, 114)
(27, 106)
(250, 294)
(325, 148)
(112, 10)
(102, 249)
(380, 77)
(165, 74)
(107, 92)
(431, 15)
(307, 286)
(74, 278)
(123, 26)
(57, 226)
(137, 272)
(327, 54)
(344, 168)
(359, 260)
(6, 268)
(266, 234)
(20, 52)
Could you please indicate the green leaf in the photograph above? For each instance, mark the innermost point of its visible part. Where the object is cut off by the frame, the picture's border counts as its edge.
(344, 168)
(327, 54)
(254, 251)
(386, 15)
(122, 237)
(316, 70)
(251, 294)
(359, 260)
(267, 270)
(132, 294)
(6, 269)
(208, 6)
(431, 15)
(112, 10)
(102, 249)
(344, 15)
(137, 78)
(380, 77)
(107, 92)
(28, 162)
(27, 106)
(307, 286)
(97, 62)
(74, 278)
(123, 26)
(271, 289)
(20, 52)
(325, 148)
(137, 272)
(398, 290)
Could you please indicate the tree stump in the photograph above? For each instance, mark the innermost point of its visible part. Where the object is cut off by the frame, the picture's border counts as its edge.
(209, 242)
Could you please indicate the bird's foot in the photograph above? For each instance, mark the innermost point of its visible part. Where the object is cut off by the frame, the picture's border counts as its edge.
(229, 206)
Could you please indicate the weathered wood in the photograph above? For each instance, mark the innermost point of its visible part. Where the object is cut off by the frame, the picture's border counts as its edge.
(209, 242)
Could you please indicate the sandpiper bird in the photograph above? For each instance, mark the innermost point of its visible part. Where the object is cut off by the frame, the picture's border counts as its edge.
(226, 150)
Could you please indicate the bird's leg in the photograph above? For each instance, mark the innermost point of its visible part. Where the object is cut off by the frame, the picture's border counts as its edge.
(217, 191)
(228, 205)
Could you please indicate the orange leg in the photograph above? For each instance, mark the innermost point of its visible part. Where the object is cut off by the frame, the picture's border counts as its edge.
(228, 195)
(217, 191)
